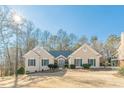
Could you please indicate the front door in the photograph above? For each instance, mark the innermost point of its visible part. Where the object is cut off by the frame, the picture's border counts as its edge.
(61, 62)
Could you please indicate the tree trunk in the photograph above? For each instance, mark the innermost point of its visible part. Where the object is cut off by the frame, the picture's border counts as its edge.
(7, 50)
(16, 64)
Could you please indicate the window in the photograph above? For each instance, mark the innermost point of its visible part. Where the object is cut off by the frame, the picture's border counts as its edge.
(45, 62)
(78, 62)
(31, 62)
(92, 62)
(85, 49)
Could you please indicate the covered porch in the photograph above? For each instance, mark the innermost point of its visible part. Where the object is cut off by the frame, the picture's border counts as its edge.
(61, 61)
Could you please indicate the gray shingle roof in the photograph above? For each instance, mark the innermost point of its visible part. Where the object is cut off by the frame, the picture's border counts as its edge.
(58, 53)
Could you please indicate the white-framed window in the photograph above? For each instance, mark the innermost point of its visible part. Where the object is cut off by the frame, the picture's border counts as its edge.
(92, 62)
(31, 62)
(85, 49)
(78, 62)
(45, 62)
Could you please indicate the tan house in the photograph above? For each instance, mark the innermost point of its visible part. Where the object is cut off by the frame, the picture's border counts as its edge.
(121, 51)
(38, 58)
(85, 54)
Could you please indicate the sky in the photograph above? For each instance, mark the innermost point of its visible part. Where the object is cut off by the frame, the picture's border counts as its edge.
(100, 21)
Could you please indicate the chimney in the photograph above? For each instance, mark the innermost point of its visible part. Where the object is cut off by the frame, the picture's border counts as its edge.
(122, 38)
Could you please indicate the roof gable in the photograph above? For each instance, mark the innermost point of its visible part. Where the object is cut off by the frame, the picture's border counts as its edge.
(90, 48)
(30, 52)
(55, 53)
(38, 51)
(61, 56)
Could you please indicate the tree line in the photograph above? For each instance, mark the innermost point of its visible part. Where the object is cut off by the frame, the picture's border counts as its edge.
(30, 36)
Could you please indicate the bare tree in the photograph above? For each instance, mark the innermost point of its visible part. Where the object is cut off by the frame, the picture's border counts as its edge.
(52, 43)
(83, 39)
(110, 47)
(73, 39)
(63, 40)
(37, 34)
(96, 44)
(5, 32)
(45, 38)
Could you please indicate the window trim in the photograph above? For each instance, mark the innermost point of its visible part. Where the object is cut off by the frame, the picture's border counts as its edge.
(43, 63)
(78, 62)
(31, 62)
(93, 61)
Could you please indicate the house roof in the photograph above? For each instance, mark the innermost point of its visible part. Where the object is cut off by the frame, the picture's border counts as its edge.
(86, 45)
(56, 53)
(38, 50)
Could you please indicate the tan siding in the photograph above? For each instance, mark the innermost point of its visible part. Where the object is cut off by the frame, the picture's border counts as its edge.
(38, 67)
(85, 56)
(32, 55)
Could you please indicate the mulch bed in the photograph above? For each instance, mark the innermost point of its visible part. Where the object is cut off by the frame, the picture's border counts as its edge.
(93, 69)
(46, 71)
(100, 69)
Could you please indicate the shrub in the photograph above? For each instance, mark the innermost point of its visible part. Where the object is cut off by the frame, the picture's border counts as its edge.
(86, 66)
(121, 70)
(66, 66)
(53, 66)
(21, 70)
(72, 66)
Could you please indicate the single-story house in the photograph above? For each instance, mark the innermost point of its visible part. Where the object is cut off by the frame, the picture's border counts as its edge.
(38, 58)
(120, 51)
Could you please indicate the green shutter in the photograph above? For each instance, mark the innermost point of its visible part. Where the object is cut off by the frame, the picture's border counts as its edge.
(45, 62)
(74, 61)
(94, 62)
(48, 62)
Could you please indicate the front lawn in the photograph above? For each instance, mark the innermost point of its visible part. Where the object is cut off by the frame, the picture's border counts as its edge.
(70, 78)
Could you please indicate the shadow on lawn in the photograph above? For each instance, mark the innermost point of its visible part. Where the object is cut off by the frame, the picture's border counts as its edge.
(41, 76)
(49, 73)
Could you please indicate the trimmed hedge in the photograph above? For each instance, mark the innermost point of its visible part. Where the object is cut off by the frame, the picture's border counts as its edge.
(66, 66)
(21, 70)
(121, 71)
(86, 66)
(53, 66)
(72, 66)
